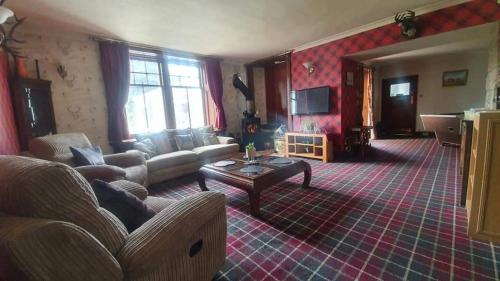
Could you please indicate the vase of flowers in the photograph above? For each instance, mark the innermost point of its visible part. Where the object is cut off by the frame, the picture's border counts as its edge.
(250, 152)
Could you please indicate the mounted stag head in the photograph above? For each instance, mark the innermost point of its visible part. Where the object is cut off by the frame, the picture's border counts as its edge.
(406, 20)
(6, 37)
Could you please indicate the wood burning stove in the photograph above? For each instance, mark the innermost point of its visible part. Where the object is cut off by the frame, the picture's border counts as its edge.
(250, 125)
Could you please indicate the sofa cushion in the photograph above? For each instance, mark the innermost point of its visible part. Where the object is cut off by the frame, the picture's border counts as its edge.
(131, 211)
(198, 134)
(171, 159)
(147, 146)
(159, 139)
(209, 139)
(87, 156)
(184, 142)
(171, 133)
(212, 151)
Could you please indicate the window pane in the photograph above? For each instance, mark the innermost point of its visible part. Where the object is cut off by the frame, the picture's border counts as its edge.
(154, 79)
(152, 67)
(181, 107)
(175, 81)
(137, 66)
(140, 79)
(154, 109)
(136, 114)
(401, 89)
(196, 107)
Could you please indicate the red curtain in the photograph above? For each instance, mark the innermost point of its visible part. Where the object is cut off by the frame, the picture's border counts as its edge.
(367, 96)
(115, 65)
(9, 143)
(213, 83)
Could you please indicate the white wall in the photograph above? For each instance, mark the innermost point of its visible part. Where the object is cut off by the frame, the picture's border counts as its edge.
(433, 98)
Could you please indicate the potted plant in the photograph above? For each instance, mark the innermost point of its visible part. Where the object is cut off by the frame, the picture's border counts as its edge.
(250, 152)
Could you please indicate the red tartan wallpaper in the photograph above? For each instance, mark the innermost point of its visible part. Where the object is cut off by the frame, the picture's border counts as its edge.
(328, 61)
(8, 133)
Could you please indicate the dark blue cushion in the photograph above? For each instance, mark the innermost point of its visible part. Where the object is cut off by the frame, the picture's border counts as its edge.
(87, 156)
(131, 211)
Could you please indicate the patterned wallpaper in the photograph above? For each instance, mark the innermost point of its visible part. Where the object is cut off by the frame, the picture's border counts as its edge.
(328, 57)
(8, 133)
(79, 101)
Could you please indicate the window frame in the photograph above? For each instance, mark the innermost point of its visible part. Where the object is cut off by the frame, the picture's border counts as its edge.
(197, 63)
(152, 56)
(161, 58)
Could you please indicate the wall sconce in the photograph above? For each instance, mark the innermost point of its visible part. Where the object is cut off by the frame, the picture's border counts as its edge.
(309, 66)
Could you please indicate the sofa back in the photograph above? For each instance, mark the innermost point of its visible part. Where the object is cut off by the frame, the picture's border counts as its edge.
(56, 147)
(37, 188)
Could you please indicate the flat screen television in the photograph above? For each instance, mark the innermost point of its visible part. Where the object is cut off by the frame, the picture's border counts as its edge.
(310, 101)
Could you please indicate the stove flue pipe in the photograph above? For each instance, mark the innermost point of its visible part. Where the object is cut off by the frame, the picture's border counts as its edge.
(249, 96)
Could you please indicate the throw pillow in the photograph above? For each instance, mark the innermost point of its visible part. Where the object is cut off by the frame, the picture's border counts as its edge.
(160, 141)
(131, 211)
(184, 142)
(87, 156)
(210, 139)
(146, 146)
(198, 134)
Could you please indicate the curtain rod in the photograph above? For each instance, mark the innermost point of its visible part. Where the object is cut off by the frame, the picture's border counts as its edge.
(146, 47)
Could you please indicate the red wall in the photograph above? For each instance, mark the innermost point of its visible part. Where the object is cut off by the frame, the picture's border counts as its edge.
(327, 58)
(8, 133)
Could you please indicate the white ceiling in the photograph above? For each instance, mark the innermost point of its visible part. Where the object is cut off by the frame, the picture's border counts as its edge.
(240, 30)
(462, 40)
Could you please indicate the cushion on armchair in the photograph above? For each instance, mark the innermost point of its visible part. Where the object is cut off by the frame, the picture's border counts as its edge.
(87, 156)
(131, 211)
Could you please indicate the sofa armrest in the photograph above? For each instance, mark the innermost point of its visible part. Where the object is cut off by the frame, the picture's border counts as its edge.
(126, 159)
(226, 140)
(43, 249)
(167, 240)
(138, 190)
(105, 173)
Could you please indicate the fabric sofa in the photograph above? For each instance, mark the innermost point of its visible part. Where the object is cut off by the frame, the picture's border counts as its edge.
(170, 162)
(52, 228)
(130, 166)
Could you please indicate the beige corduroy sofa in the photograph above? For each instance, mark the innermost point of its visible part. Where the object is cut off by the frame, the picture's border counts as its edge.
(52, 228)
(130, 166)
(172, 163)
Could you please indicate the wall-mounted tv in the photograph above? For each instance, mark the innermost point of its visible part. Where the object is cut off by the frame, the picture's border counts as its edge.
(310, 101)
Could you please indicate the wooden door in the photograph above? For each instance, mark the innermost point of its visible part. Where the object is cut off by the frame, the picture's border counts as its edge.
(399, 104)
(276, 92)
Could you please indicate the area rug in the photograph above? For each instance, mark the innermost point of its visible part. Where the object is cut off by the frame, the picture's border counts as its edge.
(394, 216)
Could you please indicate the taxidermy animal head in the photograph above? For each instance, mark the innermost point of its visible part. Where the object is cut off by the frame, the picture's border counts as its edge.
(406, 20)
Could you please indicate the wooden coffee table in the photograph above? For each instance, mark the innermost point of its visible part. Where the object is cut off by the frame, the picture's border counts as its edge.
(254, 183)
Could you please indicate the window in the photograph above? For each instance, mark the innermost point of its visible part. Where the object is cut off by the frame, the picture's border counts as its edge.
(152, 104)
(145, 106)
(187, 92)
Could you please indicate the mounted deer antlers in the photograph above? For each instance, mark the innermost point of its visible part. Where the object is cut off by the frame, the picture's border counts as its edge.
(406, 20)
(8, 37)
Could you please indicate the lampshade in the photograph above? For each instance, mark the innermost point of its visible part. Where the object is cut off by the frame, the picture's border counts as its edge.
(5, 13)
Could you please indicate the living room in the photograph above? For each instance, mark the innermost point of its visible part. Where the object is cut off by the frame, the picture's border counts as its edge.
(185, 140)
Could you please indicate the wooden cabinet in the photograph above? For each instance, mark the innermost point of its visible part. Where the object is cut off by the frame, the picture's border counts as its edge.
(315, 146)
(33, 109)
(483, 194)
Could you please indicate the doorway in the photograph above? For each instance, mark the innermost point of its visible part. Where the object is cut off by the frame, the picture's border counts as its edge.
(399, 105)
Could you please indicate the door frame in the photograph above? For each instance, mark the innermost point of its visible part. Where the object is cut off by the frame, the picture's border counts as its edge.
(385, 99)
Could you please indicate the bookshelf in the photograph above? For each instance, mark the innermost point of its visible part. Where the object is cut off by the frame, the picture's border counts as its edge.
(314, 146)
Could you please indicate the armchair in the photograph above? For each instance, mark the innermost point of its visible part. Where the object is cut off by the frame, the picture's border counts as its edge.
(51, 228)
(130, 166)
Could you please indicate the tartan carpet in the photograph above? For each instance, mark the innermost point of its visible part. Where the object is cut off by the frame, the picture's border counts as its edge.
(391, 217)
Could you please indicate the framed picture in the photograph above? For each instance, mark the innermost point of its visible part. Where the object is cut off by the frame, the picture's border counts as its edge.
(455, 78)
(349, 81)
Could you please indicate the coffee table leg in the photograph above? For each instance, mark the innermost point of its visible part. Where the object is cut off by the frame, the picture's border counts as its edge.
(307, 175)
(254, 198)
(201, 182)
